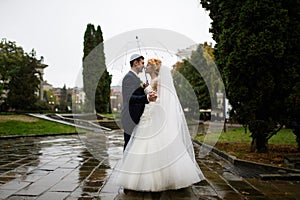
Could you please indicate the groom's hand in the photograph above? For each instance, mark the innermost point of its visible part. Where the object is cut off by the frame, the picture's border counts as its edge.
(152, 96)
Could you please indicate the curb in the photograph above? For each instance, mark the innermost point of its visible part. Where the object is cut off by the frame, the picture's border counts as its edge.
(283, 173)
(44, 117)
(287, 177)
(37, 135)
(65, 121)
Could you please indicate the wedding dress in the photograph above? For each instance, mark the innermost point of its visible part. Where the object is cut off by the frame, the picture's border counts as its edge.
(160, 154)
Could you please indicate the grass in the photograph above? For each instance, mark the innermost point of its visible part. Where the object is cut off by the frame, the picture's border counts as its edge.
(283, 137)
(237, 143)
(25, 125)
(234, 141)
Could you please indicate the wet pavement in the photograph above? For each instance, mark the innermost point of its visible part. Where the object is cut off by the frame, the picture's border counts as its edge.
(81, 167)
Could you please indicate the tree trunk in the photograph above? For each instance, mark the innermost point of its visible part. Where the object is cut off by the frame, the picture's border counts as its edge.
(261, 145)
(253, 145)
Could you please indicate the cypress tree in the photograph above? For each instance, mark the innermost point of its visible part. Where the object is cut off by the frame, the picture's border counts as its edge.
(96, 79)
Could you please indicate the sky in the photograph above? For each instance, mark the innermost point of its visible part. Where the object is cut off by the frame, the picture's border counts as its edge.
(55, 28)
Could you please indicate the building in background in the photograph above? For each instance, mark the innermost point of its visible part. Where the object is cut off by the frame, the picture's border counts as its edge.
(187, 52)
(41, 73)
(116, 98)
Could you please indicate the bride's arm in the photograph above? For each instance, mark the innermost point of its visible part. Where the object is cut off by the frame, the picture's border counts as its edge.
(154, 85)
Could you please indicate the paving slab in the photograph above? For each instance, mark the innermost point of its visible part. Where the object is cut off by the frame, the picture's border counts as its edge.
(81, 167)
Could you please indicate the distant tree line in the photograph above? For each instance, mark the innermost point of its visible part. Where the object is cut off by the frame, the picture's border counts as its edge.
(257, 52)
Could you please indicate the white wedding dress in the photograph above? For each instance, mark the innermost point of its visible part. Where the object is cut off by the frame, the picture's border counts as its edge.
(160, 154)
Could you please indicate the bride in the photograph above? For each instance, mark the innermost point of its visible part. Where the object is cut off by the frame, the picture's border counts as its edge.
(160, 154)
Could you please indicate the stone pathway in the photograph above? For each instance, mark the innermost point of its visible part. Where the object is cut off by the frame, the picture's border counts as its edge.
(61, 167)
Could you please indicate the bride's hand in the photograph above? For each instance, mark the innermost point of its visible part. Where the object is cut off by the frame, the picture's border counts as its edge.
(152, 96)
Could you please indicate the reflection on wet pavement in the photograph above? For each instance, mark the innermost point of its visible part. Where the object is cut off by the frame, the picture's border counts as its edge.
(81, 167)
(54, 167)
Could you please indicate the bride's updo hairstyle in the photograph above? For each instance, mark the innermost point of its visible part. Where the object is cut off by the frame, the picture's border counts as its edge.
(156, 63)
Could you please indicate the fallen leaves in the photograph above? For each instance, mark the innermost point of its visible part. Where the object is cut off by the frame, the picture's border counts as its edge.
(274, 157)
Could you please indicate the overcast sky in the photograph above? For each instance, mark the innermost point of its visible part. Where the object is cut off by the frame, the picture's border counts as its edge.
(55, 28)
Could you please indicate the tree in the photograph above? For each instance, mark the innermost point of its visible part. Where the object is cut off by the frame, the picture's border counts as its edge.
(197, 83)
(63, 99)
(96, 79)
(102, 101)
(293, 61)
(185, 89)
(252, 41)
(10, 58)
(19, 76)
(200, 74)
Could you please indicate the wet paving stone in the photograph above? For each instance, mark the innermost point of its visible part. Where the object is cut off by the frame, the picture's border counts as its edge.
(91, 189)
(13, 197)
(94, 183)
(98, 174)
(231, 177)
(205, 191)
(44, 184)
(5, 179)
(31, 177)
(245, 189)
(53, 195)
(61, 167)
(14, 185)
(68, 183)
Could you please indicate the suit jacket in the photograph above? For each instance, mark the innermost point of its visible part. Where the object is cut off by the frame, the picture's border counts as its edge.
(134, 100)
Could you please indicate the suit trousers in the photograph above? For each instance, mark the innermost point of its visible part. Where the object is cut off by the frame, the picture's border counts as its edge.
(126, 139)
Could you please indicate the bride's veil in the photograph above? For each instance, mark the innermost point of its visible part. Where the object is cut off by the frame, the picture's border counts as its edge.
(168, 99)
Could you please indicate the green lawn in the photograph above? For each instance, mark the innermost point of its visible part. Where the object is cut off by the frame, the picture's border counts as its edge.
(237, 143)
(26, 125)
(238, 135)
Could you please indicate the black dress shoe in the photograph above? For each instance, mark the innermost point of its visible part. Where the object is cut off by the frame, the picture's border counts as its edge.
(125, 191)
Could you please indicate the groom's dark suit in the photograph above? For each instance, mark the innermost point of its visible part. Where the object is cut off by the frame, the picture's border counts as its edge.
(134, 100)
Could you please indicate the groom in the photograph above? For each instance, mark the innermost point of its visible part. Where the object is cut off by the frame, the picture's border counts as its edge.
(134, 97)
